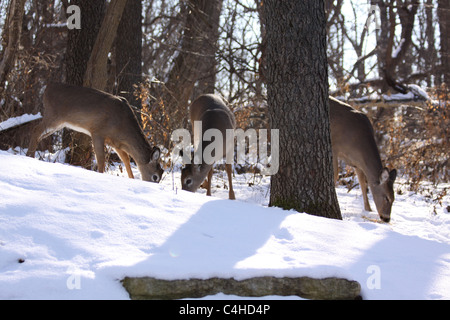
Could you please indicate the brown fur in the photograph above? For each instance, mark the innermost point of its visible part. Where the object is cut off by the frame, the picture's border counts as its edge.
(352, 140)
(214, 114)
(106, 118)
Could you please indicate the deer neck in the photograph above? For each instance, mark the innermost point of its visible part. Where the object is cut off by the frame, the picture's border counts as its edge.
(205, 168)
(140, 151)
(372, 166)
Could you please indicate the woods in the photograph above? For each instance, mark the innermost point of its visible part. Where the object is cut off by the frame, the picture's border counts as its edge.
(274, 64)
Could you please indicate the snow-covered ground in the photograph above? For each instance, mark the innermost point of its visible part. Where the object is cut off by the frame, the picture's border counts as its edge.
(69, 233)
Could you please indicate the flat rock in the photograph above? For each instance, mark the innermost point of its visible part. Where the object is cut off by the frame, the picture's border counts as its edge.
(304, 287)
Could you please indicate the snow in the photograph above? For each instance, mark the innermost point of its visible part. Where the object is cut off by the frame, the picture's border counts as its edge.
(415, 92)
(398, 49)
(13, 122)
(69, 233)
(419, 92)
(398, 96)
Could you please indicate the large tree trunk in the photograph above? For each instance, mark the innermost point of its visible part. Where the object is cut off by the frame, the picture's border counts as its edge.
(297, 84)
(96, 75)
(128, 51)
(196, 60)
(430, 53)
(444, 26)
(80, 43)
(195, 63)
(11, 39)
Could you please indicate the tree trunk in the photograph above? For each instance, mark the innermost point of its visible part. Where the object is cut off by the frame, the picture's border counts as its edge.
(390, 56)
(195, 63)
(297, 90)
(11, 39)
(444, 26)
(128, 51)
(79, 47)
(382, 36)
(430, 53)
(80, 42)
(96, 75)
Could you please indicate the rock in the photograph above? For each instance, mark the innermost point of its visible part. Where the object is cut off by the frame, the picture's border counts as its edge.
(304, 287)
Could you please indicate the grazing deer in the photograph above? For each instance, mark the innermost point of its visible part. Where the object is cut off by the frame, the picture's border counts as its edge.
(105, 118)
(213, 114)
(352, 139)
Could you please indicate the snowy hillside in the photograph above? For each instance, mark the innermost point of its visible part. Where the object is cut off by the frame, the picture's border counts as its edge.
(69, 233)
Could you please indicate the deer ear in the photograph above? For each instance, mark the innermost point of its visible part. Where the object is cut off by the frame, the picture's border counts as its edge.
(155, 154)
(197, 159)
(393, 175)
(384, 177)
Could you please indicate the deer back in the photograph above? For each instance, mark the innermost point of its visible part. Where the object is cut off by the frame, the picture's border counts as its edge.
(352, 138)
(213, 114)
(98, 113)
(212, 111)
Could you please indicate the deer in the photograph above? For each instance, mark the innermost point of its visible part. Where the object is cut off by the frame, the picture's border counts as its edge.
(211, 111)
(106, 118)
(352, 140)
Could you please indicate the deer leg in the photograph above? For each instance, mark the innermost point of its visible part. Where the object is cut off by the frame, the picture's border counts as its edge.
(230, 181)
(126, 161)
(36, 136)
(208, 184)
(204, 185)
(363, 183)
(99, 150)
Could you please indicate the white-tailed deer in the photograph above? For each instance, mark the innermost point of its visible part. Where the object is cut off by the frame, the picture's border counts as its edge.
(213, 114)
(352, 139)
(106, 119)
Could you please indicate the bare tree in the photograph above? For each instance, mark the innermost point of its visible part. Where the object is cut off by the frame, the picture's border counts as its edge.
(444, 26)
(128, 51)
(196, 59)
(88, 50)
(80, 43)
(297, 84)
(96, 75)
(11, 38)
(194, 64)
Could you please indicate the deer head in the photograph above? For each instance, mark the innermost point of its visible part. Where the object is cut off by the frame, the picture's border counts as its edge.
(152, 170)
(383, 193)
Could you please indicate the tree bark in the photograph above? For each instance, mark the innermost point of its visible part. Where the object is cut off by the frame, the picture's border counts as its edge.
(297, 90)
(11, 39)
(430, 53)
(195, 63)
(96, 75)
(128, 51)
(196, 60)
(390, 57)
(444, 27)
(80, 43)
